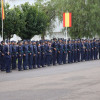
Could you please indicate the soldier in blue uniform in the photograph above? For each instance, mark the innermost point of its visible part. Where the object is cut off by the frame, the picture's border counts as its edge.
(82, 50)
(0, 54)
(54, 52)
(38, 55)
(34, 54)
(3, 49)
(14, 54)
(30, 55)
(75, 51)
(72, 51)
(20, 55)
(78, 50)
(46, 45)
(89, 50)
(92, 49)
(8, 53)
(49, 54)
(99, 48)
(25, 55)
(86, 50)
(60, 52)
(69, 51)
(43, 54)
(95, 49)
(65, 52)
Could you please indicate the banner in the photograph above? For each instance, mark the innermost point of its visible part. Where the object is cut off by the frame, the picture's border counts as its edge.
(67, 19)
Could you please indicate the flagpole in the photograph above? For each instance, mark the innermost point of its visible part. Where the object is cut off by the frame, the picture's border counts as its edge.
(2, 20)
(2, 29)
(66, 34)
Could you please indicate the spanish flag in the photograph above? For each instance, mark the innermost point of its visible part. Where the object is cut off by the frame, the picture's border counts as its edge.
(67, 19)
(3, 14)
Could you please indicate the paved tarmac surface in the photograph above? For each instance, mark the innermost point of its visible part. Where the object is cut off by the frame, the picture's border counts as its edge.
(79, 81)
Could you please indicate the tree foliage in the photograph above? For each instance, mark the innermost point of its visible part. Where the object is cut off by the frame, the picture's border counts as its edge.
(25, 21)
(85, 16)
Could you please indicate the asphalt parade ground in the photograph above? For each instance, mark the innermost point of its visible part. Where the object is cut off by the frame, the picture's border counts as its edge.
(77, 81)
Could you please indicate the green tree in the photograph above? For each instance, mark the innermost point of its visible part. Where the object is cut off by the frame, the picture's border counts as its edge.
(85, 16)
(10, 22)
(25, 21)
(35, 20)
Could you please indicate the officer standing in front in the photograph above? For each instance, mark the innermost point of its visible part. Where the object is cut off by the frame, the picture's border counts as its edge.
(60, 52)
(38, 55)
(14, 54)
(49, 54)
(43, 54)
(34, 54)
(8, 53)
(54, 52)
(0, 54)
(65, 47)
(92, 49)
(25, 55)
(30, 54)
(3, 48)
(69, 51)
(75, 51)
(99, 48)
(20, 55)
(78, 50)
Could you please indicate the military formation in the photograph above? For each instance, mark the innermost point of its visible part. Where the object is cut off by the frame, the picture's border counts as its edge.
(28, 54)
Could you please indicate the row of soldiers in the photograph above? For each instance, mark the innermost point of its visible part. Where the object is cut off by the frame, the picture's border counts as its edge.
(36, 54)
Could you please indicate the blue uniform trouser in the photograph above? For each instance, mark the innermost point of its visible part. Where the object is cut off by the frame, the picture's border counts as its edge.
(49, 57)
(7, 63)
(54, 57)
(89, 55)
(34, 61)
(45, 59)
(25, 62)
(78, 56)
(0, 62)
(38, 60)
(92, 52)
(69, 57)
(99, 53)
(64, 58)
(42, 60)
(20, 62)
(95, 54)
(72, 56)
(3, 63)
(60, 57)
(14, 62)
(86, 55)
(82, 55)
(57, 57)
(30, 60)
(75, 56)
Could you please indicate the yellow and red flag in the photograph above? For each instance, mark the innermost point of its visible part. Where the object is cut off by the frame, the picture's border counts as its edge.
(3, 14)
(67, 19)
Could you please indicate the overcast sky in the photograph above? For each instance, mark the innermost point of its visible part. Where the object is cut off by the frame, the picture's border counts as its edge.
(18, 2)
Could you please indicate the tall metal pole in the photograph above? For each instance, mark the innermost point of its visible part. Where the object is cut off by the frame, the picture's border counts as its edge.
(66, 34)
(2, 19)
(2, 29)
